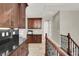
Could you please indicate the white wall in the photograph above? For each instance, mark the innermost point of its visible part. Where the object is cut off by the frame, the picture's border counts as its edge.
(56, 28)
(22, 35)
(47, 27)
(69, 23)
(39, 10)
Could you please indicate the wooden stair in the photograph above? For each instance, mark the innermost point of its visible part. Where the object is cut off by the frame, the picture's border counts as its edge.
(53, 48)
(72, 46)
(22, 50)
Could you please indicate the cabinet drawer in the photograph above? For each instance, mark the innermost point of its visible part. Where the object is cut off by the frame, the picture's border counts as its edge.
(34, 38)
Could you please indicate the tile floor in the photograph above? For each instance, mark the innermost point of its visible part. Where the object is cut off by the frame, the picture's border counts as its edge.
(37, 49)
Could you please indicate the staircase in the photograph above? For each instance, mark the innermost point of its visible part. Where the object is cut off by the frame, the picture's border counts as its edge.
(21, 50)
(53, 49)
(68, 47)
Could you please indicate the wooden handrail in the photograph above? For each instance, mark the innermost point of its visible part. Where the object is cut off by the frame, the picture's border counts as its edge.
(69, 36)
(54, 44)
(71, 45)
(19, 50)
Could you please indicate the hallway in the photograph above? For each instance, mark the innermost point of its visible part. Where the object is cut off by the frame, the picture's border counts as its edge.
(37, 49)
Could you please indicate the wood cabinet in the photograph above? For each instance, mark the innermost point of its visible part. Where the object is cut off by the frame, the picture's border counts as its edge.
(22, 15)
(34, 23)
(35, 38)
(12, 15)
(14, 21)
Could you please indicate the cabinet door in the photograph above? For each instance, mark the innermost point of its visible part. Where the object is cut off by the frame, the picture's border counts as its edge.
(34, 38)
(5, 10)
(8, 15)
(38, 38)
(15, 16)
(30, 23)
(19, 20)
(30, 38)
(12, 15)
(16, 20)
(34, 23)
(22, 16)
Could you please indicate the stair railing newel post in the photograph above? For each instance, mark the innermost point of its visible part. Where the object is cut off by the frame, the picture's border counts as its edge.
(69, 37)
(46, 44)
(45, 35)
(78, 51)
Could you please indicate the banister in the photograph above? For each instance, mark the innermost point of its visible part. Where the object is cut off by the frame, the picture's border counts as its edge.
(69, 36)
(54, 44)
(20, 49)
(71, 45)
(74, 44)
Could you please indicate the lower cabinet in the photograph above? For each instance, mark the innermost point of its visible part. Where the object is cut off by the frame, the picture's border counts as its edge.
(34, 38)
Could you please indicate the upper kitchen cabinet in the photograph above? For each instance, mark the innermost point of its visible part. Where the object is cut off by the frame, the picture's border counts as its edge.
(5, 11)
(22, 9)
(34, 23)
(12, 15)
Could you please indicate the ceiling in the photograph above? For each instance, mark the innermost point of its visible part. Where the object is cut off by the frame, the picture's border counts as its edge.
(48, 9)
